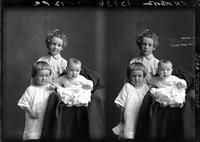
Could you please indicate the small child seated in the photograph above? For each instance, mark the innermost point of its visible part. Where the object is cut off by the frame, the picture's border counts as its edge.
(168, 89)
(73, 88)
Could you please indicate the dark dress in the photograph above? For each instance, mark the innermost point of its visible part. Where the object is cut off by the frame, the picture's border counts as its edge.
(168, 123)
(76, 123)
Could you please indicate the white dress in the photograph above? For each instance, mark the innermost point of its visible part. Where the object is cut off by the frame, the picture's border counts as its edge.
(166, 91)
(130, 98)
(57, 63)
(35, 98)
(74, 89)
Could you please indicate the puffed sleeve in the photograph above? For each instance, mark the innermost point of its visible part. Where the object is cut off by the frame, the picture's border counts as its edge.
(63, 64)
(177, 80)
(25, 100)
(122, 96)
(86, 82)
(135, 60)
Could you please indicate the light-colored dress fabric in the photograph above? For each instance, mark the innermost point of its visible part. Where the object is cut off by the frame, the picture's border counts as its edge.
(166, 91)
(130, 98)
(73, 91)
(57, 63)
(35, 98)
(150, 62)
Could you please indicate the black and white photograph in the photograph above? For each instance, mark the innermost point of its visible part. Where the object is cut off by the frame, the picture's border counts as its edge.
(100, 71)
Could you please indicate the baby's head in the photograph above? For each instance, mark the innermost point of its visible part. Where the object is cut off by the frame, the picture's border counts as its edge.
(73, 68)
(56, 41)
(41, 72)
(147, 42)
(136, 74)
(164, 68)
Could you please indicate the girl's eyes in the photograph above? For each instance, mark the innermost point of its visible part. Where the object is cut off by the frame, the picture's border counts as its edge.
(147, 44)
(56, 44)
(136, 76)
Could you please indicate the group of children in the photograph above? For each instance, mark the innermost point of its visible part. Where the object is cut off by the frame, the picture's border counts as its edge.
(144, 73)
(72, 88)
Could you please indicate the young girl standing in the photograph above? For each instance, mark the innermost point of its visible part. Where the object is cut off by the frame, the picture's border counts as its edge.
(129, 100)
(34, 100)
(55, 41)
(147, 42)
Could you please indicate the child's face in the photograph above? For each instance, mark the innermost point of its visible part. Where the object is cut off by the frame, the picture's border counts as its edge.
(137, 78)
(165, 70)
(147, 46)
(73, 70)
(42, 77)
(55, 46)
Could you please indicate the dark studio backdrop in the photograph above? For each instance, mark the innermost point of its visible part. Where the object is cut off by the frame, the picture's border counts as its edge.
(104, 40)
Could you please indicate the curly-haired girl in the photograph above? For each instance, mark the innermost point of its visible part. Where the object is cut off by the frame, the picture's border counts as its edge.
(55, 41)
(147, 42)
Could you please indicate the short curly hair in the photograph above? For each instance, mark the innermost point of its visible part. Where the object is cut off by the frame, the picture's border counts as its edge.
(149, 34)
(56, 33)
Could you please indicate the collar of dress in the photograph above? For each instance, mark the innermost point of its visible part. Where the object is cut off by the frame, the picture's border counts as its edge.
(149, 57)
(58, 56)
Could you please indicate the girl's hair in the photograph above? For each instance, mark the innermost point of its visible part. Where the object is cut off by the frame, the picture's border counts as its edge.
(73, 61)
(163, 61)
(40, 65)
(56, 33)
(132, 67)
(149, 34)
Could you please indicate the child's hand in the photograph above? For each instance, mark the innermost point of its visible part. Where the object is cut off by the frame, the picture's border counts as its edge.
(180, 85)
(52, 87)
(87, 87)
(33, 114)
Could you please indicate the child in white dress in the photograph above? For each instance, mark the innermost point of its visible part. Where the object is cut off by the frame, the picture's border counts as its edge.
(55, 41)
(34, 100)
(168, 89)
(147, 42)
(73, 88)
(129, 100)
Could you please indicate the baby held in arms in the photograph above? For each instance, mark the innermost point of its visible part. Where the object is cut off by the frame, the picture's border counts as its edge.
(168, 89)
(73, 88)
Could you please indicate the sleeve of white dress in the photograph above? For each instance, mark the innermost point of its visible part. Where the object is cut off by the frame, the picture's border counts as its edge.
(182, 81)
(25, 100)
(122, 96)
(63, 64)
(85, 82)
(133, 60)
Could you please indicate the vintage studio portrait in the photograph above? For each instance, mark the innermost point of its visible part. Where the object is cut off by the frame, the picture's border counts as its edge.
(98, 74)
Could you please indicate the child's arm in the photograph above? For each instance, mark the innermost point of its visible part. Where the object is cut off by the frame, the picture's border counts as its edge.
(121, 114)
(33, 114)
(86, 84)
(26, 101)
(180, 83)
